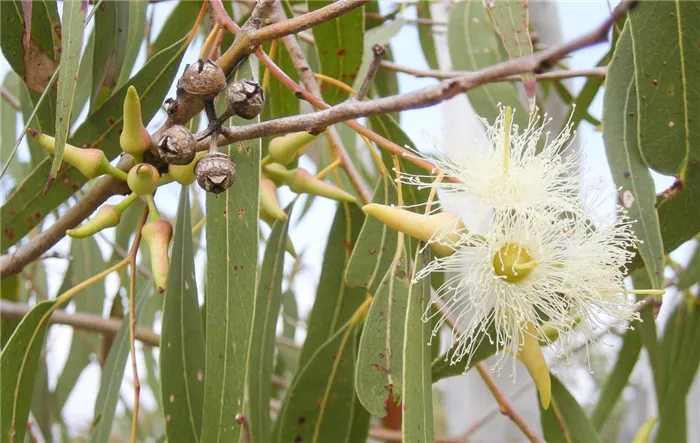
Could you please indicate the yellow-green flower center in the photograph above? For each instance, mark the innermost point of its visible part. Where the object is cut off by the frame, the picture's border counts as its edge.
(513, 263)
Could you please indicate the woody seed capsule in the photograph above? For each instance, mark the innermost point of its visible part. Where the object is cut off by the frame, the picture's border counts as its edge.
(245, 98)
(177, 146)
(216, 172)
(203, 79)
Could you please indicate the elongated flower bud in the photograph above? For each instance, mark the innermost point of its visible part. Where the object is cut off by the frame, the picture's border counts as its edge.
(184, 174)
(106, 217)
(644, 433)
(157, 235)
(143, 179)
(438, 229)
(90, 162)
(285, 149)
(533, 359)
(303, 182)
(134, 139)
(269, 205)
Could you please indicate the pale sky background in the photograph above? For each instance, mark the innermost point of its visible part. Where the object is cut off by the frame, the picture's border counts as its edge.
(309, 236)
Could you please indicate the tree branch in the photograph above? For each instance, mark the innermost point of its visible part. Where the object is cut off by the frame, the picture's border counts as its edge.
(428, 96)
(106, 187)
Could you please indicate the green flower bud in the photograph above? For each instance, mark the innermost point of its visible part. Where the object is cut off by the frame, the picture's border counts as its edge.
(157, 235)
(106, 217)
(90, 162)
(143, 179)
(531, 355)
(303, 182)
(135, 139)
(269, 205)
(184, 174)
(285, 149)
(443, 225)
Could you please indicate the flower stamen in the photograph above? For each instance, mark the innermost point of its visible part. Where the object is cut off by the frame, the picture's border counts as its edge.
(506, 136)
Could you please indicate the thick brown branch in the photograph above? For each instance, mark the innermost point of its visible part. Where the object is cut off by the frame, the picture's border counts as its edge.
(106, 187)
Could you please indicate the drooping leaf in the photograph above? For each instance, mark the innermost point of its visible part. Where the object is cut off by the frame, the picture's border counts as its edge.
(19, 361)
(72, 35)
(691, 274)
(339, 44)
(473, 45)
(134, 40)
(565, 420)
(619, 378)
(630, 172)
(320, 404)
(512, 23)
(322, 356)
(182, 339)
(87, 261)
(681, 362)
(232, 257)
(111, 33)
(665, 69)
(380, 356)
(82, 94)
(290, 317)
(376, 36)
(178, 23)
(26, 206)
(113, 373)
(425, 34)
(8, 120)
(262, 343)
(9, 291)
(417, 398)
(376, 245)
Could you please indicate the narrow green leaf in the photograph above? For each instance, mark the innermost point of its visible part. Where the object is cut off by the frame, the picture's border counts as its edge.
(442, 367)
(320, 404)
(27, 206)
(565, 420)
(647, 331)
(112, 375)
(82, 94)
(8, 122)
(335, 304)
(177, 25)
(134, 40)
(618, 379)
(666, 67)
(12, 34)
(473, 45)
(232, 258)
(290, 317)
(182, 339)
(262, 341)
(512, 23)
(72, 32)
(43, 405)
(19, 361)
(339, 45)
(417, 399)
(691, 274)
(87, 261)
(10, 291)
(682, 370)
(376, 245)
(629, 171)
(376, 36)
(380, 356)
(425, 34)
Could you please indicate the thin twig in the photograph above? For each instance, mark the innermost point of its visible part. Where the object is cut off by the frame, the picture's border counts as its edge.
(600, 71)
(378, 52)
(132, 322)
(10, 99)
(504, 404)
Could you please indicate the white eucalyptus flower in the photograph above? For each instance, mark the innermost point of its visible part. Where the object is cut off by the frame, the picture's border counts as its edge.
(548, 270)
(505, 171)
